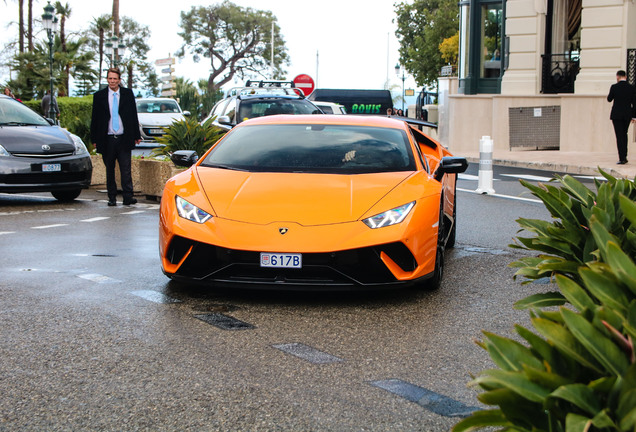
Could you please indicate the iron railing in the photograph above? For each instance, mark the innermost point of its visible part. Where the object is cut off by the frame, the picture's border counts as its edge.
(559, 72)
(631, 66)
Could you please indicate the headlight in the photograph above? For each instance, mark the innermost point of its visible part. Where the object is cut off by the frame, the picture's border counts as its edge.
(390, 217)
(80, 148)
(3, 152)
(191, 212)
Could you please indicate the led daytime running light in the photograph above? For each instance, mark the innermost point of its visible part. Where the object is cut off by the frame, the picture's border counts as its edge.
(390, 217)
(191, 212)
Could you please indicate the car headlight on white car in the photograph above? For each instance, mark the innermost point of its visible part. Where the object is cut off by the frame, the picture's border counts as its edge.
(389, 217)
(191, 212)
(3, 152)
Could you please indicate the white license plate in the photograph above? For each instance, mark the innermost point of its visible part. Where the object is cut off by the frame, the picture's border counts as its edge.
(51, 167)
(156, 131)
(281, 260)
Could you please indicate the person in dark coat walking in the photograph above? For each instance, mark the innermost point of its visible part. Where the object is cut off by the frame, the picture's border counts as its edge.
(623, 112)
(114, 133)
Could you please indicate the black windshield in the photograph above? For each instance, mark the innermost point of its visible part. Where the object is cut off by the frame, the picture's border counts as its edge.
(314, 148)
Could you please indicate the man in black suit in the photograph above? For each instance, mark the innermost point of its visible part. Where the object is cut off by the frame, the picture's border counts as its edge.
(114, 133)
(623, 111)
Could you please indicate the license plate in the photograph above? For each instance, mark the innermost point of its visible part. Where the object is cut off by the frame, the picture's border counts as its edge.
(156, 131)
(51, 167)
(281, 260)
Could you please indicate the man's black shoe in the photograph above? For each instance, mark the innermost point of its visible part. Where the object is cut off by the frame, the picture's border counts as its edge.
(130, 201)
(621, 162)
(112, 203)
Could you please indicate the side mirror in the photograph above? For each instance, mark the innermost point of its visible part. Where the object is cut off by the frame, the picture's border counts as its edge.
(225, 120)
(450, 165)
(187, 113)
(184, 158)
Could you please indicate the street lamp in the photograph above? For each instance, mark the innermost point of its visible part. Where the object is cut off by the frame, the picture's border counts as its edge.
(50, 24)
(114, 49)
(397, 72)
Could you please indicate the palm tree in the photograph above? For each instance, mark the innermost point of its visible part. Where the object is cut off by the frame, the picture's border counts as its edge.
(64, 11)
(30, 25)
(21, 26)
(99, 27)
(116, 17)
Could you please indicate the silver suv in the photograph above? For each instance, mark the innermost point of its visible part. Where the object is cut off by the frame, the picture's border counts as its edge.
(258, 99)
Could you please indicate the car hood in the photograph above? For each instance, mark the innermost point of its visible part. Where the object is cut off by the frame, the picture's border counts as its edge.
(158, 119)
(307, 199)
(31, 139)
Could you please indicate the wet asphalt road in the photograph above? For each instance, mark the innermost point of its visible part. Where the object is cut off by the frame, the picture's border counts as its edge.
(95, 337)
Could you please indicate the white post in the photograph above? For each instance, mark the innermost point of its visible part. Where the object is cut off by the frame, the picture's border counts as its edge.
(485, 184)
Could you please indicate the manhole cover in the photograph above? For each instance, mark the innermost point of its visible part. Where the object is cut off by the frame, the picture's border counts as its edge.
(224, 322)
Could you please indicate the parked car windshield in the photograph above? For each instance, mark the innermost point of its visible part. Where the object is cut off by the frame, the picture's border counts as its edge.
(13, 113)
(163, 106)
(263, 107)
(313, 148)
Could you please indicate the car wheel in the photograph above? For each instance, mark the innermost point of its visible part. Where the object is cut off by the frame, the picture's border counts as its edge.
(435, 281)
(67, 195)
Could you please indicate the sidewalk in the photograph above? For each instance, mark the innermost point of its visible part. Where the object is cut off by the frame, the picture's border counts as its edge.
(562, 162)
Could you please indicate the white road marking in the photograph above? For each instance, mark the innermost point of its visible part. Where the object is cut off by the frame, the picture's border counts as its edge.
(502, 196)
(133, 212)
(94, 277)
(95, 219)
(49, 226)
(528, 177)
(7, 232)
(155, 296)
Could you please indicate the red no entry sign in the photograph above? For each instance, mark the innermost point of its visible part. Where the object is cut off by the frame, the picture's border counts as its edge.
(305, 83)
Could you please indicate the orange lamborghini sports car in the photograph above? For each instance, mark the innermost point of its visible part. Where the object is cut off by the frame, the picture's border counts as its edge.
(312, 202)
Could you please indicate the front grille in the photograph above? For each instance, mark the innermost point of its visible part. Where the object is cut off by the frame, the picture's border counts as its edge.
(44, 178)
(41, 155)
(352, 267)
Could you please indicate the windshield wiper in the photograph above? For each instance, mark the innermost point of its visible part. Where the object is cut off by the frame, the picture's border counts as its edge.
(221, 166)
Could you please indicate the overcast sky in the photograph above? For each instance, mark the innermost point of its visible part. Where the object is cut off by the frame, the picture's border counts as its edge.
(339, 43)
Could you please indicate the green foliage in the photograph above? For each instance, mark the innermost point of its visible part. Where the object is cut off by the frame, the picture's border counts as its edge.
(75, 115)
(422, 25)
(578, 371)
(237, 41)
(189, 134)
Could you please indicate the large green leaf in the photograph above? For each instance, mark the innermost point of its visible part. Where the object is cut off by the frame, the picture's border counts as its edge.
(541, 300)
(514, 381)
(626, 411)
(577, 423)
(581, 396)
(538, 345)
(630, 323)
(510, 355)
(481, 419)
(622, 265)
(577, 189)
(576, 295)
(603, 420)
(629, 208)
(565, 342)
(545, 379)
(605, 288)
(603, 349)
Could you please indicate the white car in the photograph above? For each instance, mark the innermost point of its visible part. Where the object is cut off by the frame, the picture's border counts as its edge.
(155, 114)
(330, 107)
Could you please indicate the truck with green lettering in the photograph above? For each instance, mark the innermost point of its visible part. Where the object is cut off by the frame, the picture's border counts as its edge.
(375, 102)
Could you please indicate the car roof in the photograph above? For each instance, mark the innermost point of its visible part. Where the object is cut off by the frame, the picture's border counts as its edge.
(268, 96)
(155, 99)
(351, 120)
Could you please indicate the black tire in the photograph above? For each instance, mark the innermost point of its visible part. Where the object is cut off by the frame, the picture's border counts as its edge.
(66, 195)
(434, 282)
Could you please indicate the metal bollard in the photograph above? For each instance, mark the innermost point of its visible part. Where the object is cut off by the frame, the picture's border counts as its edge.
(485, 183)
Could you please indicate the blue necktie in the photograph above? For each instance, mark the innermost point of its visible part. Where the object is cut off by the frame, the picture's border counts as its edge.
(115, 113)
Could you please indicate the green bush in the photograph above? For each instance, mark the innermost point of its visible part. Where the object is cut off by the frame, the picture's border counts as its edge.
(577, 371)
(189, 134)
(75, 115)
